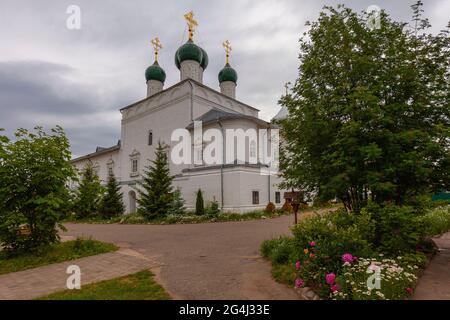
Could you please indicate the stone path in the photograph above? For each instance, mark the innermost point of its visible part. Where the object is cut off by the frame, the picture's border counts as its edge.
(435, 281)
(44, 280)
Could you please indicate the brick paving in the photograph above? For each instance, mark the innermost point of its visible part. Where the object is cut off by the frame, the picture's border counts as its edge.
(37, 282)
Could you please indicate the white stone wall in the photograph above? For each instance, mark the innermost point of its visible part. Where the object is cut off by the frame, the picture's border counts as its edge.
(228, 88)
(153, 87)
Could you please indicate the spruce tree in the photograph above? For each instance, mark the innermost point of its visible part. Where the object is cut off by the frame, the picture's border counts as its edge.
(156, 187)
(88, 194)
(177, 203)
(199, 205)
(112, 203)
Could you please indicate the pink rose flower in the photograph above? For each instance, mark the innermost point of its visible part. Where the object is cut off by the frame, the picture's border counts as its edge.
(297, 265)
(299, 283)
(347, 257)
(334, 288)
(330, 278)
(312, 243)
(409, 290)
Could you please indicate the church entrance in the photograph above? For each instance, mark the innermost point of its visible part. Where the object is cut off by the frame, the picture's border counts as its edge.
(132, 198)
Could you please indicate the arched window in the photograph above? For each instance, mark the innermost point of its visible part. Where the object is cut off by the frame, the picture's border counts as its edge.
(150, 137)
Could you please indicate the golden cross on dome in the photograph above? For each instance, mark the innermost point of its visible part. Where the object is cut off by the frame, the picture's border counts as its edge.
(157, 45)
(226, 44)
(191, 23)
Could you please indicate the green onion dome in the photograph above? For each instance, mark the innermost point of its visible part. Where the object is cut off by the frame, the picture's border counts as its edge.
(190, 51)
(205, 60)
(155, 72)
(228, 74)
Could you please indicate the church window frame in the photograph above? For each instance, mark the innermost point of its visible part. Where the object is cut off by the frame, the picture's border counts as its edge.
(150, 137)
(255, 197)
(134, 163)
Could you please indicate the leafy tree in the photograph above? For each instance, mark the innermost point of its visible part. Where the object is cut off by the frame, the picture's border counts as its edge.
(199, 204)
(34, 171)
(369, 113)
(177, 204)
(112, 202)
(89, 193)
(155, 194)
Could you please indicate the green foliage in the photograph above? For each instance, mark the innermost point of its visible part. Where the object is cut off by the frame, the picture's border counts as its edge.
(34, 172)
(212, 209)
(54, 253)
(279, 251)
(111, 203)
(155, 194)
(436, 221)
(369, 116)
(177, 204)
(199, 204)
(89, 192)
(397, 229)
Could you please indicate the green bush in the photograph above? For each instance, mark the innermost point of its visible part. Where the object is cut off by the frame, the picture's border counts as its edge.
(279, 251)
(199, 204)
(437, 221)
(212, 209)
(398, 229)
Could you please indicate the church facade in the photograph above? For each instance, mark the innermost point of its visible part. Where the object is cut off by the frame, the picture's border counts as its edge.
(238, 183)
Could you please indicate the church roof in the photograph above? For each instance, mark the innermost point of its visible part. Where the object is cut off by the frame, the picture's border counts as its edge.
(215, 115)
(98, 151)
(180, 84)
(282, 114)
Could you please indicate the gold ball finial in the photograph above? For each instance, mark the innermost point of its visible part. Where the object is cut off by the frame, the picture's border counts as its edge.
(157, 45)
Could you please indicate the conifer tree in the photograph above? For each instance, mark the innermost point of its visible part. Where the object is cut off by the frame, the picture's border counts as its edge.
(177, 204)
(199, 204)
(112, 202)
(88, 194)
(156, 187)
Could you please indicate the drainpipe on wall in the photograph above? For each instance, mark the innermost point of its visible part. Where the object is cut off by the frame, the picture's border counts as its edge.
(221, 166)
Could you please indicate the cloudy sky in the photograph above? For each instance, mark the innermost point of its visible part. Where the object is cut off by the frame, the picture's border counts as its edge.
(79, 79)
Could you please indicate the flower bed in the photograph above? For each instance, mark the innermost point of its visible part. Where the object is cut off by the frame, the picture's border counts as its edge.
(345, 256)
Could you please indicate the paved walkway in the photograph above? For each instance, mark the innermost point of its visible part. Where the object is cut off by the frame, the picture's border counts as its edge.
(203, 261)
(435, 281)
(44, 280)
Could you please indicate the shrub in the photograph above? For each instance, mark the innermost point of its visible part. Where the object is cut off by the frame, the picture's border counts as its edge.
(212, 209)
(199, 204)
(177, 204)
(270, 208)
(397, 229)
(279, 251)
(287, 207)
(437, 221)
(34, 171)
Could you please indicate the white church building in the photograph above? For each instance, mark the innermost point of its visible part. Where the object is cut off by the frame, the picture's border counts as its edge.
(237, 184)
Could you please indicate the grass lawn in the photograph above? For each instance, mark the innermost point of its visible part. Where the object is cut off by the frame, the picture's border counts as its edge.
(137, 286)
(60, 252)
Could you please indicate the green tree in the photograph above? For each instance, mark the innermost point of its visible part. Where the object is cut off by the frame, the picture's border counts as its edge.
(199, 204)
(112, 201)
(369, 113)
(177, 203)
(156, 188)
(34, 171)
(89, 193)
